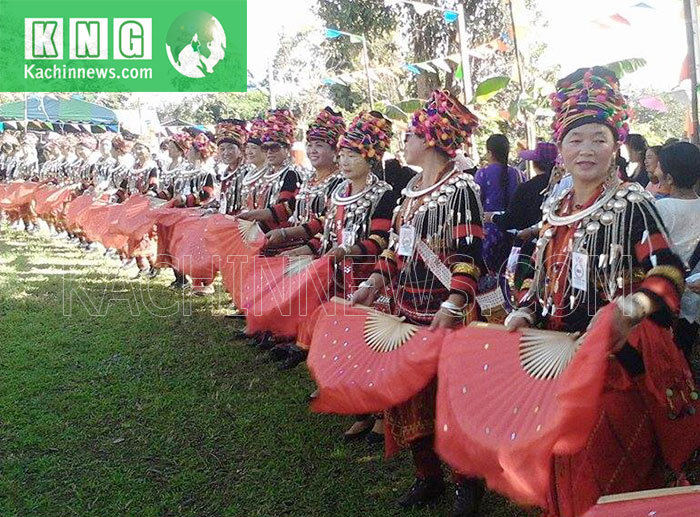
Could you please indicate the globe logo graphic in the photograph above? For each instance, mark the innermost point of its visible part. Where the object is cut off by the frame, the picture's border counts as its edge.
(196, 43)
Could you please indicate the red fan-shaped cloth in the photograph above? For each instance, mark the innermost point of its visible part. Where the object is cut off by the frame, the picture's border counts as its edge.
(75, 209)
(497, 421)
(127, 220)
(365, 361)
(167, 219)
(188, 251)
(53, 204)
(667, 502)
(40, 195)
(231, 240)
(285, 291)
(18, 194)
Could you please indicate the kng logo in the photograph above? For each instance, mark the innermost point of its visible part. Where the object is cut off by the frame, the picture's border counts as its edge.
(132, 38)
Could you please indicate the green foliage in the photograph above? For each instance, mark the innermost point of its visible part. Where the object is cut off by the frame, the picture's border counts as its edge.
(489, 88)
(626, 66)
(402, 110)
(208, 108)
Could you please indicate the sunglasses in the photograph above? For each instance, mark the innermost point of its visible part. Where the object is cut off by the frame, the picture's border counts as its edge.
(273, 148)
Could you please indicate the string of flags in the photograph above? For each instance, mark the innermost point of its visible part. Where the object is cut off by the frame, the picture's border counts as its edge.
(36, 125)
(450, 63)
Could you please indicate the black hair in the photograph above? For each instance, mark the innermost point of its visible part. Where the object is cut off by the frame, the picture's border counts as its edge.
(637, 142)
(396, 175)
(681, 161)
(545, 167)
(499, 147)
(655, 149)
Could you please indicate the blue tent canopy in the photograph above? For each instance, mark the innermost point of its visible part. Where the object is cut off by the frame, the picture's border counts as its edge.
(45, 108)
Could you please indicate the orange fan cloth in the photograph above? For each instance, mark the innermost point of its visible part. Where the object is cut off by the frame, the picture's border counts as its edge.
(667, 502)
(76, 209)
(130, 220)
(188, 251)
(40, 195)
(508, 401)
(365, 361)
(235, 242)
(53, 205)
(284, 292)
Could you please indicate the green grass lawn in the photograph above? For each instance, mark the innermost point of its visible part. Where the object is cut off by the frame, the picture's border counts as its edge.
(136, 412)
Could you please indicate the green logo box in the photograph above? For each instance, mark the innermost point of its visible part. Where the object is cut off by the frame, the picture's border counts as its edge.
(123, 46)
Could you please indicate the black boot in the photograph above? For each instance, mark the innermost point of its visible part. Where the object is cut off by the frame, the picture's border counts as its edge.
(266, 343)
(423, 492)
(280, 351)
(295, 356)
(468, 495)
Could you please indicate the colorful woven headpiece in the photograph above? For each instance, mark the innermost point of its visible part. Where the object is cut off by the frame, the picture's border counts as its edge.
(88, 141)
(204, 146)
(368, 134)
(231, 130)
(444, 122)
(328, 127)
(590, 95)
(256, 129)
(279, 127)
(182, 141)
(121, 144)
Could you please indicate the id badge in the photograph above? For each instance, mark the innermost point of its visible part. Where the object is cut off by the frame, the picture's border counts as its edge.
(407, 240)
(348, 237)
(579, 271)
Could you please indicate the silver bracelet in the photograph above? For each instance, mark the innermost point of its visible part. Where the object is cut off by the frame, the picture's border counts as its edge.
(631, 308)
(452, 309)
(524, 313)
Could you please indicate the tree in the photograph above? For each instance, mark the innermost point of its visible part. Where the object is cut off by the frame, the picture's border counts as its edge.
(379, 25)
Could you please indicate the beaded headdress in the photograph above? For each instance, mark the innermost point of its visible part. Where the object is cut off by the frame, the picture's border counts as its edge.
(204, 146)
(368, 134)
(328, 127)
(590, 95)
(182, 141)
(231, 130)
(279, 127)
(444, 122)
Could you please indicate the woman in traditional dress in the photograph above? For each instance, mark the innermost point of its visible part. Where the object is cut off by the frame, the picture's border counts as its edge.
(601, 238)
(231, 137)
(312, 200)
(433, 264)
(357, 216)
(269, 195)
(254, 154)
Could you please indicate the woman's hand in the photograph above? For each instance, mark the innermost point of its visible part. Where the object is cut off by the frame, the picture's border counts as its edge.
(364, 296)
(516, 323)
(337, 254)
(444, 320)
(255, 215)
(276, 237)
(368, 290)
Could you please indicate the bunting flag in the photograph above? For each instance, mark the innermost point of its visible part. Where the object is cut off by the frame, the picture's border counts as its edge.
(620, 19)
(503, 43)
